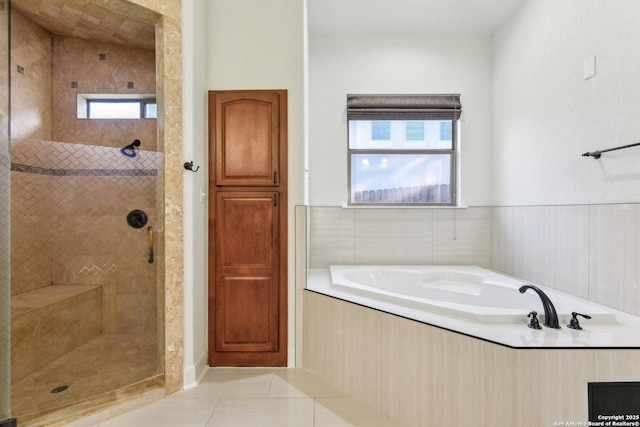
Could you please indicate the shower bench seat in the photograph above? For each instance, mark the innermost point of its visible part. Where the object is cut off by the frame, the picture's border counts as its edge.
(48, 322)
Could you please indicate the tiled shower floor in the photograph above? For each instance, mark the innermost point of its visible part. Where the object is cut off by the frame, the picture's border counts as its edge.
(104, 364)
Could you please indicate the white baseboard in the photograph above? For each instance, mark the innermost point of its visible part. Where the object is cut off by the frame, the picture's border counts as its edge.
(193, 374)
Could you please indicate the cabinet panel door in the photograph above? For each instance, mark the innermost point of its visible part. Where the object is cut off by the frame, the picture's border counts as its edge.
(247, 260)
(246, 134)
(248, 228)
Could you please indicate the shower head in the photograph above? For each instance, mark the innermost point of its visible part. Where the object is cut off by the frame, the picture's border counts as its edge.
(130, 150)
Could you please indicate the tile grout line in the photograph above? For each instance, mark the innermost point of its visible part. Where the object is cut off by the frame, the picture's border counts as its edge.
(215, 407)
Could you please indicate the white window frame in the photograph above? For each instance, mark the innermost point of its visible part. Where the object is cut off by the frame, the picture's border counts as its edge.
(387, 112)
(84, 101)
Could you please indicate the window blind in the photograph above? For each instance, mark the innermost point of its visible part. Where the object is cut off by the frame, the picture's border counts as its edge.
(403, 107)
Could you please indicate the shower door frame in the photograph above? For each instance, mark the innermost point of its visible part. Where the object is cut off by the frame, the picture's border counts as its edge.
(5, 220)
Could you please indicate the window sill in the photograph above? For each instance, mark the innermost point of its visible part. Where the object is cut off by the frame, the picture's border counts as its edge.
(383, 206)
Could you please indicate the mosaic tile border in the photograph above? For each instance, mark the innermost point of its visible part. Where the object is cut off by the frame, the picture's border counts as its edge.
(82, 172)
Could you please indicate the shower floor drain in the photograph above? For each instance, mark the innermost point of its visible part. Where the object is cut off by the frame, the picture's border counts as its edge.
(60, 389)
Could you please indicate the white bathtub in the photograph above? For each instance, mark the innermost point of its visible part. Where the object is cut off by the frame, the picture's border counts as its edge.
(477, 302)
(466, 292)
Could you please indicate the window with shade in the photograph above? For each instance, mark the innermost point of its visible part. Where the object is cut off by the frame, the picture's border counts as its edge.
(402, 149)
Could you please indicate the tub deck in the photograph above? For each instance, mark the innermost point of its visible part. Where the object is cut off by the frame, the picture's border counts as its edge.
(511, 331)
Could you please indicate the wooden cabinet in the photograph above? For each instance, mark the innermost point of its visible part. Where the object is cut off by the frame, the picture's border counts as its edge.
(247, 229)
(247, 259)
(247, 134)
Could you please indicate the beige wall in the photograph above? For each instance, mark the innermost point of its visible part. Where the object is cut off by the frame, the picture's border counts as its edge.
(76, 60)
(31, 90)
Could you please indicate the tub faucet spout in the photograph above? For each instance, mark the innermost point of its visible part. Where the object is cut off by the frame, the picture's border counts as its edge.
(550, 315)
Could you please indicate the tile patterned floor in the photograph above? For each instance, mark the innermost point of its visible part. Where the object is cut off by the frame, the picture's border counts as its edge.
(104, 364)
(255, 397)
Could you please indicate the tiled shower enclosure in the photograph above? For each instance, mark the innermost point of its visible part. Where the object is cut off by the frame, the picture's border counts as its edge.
(84, 286)
(80, 275)
(5, 222)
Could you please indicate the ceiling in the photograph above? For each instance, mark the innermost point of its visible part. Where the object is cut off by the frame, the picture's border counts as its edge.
(121, 22)
(111, 21)
(425, 17)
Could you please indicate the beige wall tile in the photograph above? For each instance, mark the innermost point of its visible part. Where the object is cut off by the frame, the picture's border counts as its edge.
(400, 236)
(135, 314)
(401, 389)
(30, 91)
(393, 236)
(619, 365)
(302, 245)
(544, 244)
(87, 241)
(299, 329)
(462, 236)
(502, 238)
(614, 254)
(81, 237)
(41, 335)
(430, 376)
(552, 385)
(342, 344)
(79, 61)
(362, 335)
(332, 234)
(323, 337)
(30, 253)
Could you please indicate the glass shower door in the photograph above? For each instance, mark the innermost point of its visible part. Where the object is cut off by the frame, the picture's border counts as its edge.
(5, 216)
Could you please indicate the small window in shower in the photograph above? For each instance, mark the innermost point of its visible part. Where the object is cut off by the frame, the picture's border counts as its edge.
(116, 106)
(112, 109)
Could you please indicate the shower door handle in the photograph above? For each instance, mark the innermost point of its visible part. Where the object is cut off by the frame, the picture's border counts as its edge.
(150, 229)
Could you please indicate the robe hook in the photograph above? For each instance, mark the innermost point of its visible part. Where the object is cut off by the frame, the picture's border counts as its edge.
(189, 166)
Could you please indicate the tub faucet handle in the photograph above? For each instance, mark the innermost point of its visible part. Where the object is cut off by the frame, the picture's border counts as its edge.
(535, 323)
(573, 323)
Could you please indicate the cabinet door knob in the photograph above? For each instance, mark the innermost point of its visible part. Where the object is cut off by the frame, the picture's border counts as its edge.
(275, 177)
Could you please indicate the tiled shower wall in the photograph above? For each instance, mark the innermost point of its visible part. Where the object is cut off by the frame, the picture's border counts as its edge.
(69, 207)
(591, 251)
(78, 61)
(400, 236)
(49, 71)
(70, 198)
(30, 79)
